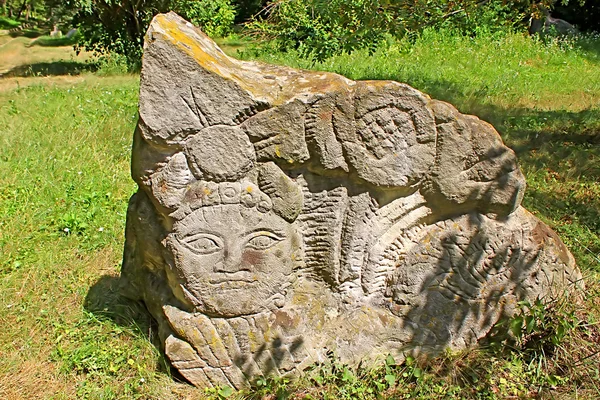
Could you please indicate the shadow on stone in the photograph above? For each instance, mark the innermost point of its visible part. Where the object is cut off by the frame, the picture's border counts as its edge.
(277, 353)
(462, 290)
(544, 140)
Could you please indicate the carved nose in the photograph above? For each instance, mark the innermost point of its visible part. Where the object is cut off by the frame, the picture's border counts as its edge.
(232, 261)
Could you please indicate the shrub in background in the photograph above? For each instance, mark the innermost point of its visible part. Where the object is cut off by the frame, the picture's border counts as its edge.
(246, 9)
(214, 17)
(585, 14)
(119, 26)
(321, 28)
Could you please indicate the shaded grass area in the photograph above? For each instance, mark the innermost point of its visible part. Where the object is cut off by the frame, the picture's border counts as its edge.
(30, 33)
(49, 41)
(64, 186)
(18, 58)
(53, 68)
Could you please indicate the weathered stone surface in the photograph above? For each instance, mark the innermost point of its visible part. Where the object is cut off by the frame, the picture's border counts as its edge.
(282, 214)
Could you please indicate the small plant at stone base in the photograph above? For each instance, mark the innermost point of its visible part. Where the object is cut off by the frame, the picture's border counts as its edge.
(219, 392)
(536, 329)
(333, 379)
(537, 326)
(275, 387)
(549, 341)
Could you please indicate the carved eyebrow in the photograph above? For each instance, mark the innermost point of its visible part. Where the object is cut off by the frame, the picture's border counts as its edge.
(276, 232)
(193, 235)
(193, 231)
(189, 225)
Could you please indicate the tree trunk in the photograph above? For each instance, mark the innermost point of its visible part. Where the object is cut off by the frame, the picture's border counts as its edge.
(22, 9)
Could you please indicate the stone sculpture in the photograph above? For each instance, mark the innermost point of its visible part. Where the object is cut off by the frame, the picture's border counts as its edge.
(285, 214)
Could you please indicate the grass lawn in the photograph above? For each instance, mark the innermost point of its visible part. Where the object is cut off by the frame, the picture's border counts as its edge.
(65, 147)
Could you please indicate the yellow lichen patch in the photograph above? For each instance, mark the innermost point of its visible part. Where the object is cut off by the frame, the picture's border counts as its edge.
(253, 343)
(195, 336)
(273, 84)
(193, 42)
(203, 50)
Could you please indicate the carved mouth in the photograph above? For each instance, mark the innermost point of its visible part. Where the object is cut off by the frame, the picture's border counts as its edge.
(237, 277)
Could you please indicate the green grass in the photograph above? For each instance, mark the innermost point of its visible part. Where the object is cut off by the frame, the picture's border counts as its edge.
(233, 44)
(63, 195)
(64, 187)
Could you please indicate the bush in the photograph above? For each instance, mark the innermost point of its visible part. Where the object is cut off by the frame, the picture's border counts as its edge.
(214, 17)
(320, 28)
(108, 26)
(8, 23)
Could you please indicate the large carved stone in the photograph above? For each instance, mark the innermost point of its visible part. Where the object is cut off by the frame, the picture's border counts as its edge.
(282, 214)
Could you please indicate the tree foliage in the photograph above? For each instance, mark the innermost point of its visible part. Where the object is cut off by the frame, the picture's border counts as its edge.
(21, 9)
(321, 28)
(585, 14)
(215, 17)
(316, 28)
(119, 26)
(246, 9)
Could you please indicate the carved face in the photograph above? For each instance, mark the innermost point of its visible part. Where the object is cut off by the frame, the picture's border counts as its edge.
(230, 260)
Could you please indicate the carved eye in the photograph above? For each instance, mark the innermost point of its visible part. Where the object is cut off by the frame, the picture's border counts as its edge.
(203, 243)
(263, 240)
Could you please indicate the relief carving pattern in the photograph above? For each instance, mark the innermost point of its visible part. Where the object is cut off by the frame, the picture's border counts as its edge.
(282, 214)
